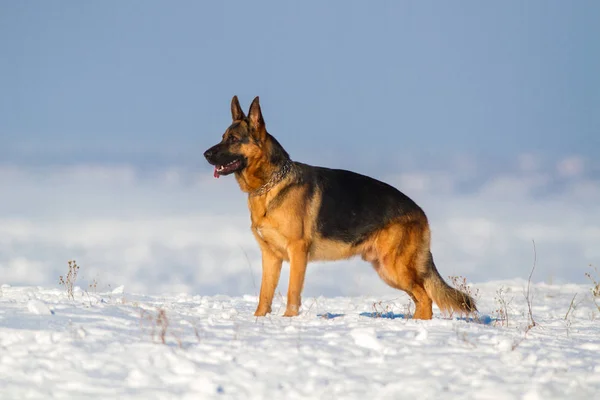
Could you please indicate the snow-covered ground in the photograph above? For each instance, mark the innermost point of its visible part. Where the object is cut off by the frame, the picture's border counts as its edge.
(109, 345)
(177, 230)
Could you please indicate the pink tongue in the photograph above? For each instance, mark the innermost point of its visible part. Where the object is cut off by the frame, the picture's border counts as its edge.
(216, 173)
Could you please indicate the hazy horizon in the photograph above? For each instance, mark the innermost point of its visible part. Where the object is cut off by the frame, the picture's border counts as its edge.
(485, 114)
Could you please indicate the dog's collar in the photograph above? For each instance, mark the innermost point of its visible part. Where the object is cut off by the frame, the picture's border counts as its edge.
(275, 178)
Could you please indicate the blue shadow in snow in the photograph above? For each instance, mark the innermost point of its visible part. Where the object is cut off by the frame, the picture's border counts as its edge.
(484, 319)
(389, 315)
(330, 315)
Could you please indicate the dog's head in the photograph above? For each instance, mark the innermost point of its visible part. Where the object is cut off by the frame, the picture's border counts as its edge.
(244, 144)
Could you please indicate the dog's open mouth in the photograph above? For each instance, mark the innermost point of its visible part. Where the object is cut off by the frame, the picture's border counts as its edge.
(227, 168)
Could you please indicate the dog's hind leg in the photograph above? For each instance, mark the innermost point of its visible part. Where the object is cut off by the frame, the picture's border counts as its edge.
(398, 249)
(400, 276)
(271, 269)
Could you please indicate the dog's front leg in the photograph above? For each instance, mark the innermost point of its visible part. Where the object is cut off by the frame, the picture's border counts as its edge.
(271, 269)
(298, 254)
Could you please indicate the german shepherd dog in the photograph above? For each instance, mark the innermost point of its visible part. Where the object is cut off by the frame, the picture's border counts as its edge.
(303, 213)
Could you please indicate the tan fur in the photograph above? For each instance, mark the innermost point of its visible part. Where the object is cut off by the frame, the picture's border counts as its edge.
(285, 229)
(282, 237)
(399, 253)
(258, 170)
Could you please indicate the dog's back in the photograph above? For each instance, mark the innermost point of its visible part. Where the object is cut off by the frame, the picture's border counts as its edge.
(353, 206)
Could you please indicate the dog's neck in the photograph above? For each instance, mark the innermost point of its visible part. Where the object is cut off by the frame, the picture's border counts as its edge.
(277, 176)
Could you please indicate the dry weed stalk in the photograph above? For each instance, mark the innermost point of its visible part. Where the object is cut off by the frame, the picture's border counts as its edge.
(502, 310)
(528, 294)
(570, 312)
(163, 323)
(93, 286)
(159, 324)
(571, 307)
(376, 311)
(69, 281)
(595, 286)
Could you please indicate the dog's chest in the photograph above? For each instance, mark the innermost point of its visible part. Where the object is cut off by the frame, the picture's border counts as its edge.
(270, 236)
(269, 231)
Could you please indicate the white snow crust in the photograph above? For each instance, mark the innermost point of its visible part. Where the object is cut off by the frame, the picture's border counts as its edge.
(109, 345)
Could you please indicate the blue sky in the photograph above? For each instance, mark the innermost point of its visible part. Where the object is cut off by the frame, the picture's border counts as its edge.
(344, 82)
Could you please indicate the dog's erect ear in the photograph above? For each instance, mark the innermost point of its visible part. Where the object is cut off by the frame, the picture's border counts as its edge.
(255, 116)
(236, 111)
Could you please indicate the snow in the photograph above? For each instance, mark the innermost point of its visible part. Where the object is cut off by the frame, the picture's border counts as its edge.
(110, 345)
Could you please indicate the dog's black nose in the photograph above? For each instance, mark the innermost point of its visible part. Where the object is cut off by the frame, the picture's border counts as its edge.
(208, 153)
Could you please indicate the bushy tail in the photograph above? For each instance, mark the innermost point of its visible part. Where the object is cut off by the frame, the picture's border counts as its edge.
(447, 298)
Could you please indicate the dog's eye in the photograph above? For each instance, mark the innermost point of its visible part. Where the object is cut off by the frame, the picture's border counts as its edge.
(233, 139)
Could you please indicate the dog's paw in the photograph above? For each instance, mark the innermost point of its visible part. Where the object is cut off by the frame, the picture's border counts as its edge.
(262, 311)
(291, 312)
